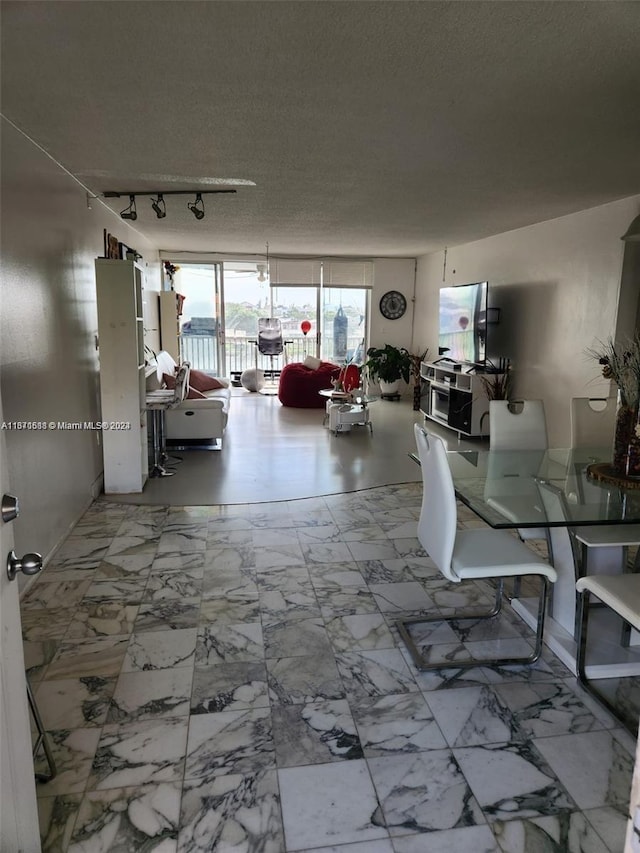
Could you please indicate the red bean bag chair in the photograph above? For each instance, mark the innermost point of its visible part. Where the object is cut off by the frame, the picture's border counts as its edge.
(299, 385)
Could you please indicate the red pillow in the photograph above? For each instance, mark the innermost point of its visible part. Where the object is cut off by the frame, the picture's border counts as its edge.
(192, 394)
(203, 382)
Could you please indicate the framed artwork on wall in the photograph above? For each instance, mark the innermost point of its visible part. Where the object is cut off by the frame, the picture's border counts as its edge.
(113, 248)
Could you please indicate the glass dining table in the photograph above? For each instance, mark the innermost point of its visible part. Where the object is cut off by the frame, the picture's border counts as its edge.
(506, 490)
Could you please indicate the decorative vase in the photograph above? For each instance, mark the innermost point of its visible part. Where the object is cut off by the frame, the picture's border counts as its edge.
(626, 443)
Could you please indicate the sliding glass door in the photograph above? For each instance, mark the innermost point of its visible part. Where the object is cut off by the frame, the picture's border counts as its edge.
(222, 303)
(344, 316)
(334, 318)
(201, 323)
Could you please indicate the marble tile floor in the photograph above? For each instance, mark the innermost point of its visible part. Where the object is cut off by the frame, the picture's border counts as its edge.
(230, 679)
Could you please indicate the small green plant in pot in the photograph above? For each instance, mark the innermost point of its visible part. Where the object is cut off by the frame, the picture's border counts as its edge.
(388, 365)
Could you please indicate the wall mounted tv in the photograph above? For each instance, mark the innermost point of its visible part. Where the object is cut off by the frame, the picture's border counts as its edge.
(463, 322)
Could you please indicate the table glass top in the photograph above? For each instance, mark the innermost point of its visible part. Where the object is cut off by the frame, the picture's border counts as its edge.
(356, 396)
(504, 488)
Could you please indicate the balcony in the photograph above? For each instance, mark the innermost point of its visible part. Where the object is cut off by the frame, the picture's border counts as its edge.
(200, 352)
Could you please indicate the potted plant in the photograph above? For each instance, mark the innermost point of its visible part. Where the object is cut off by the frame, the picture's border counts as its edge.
(388, 365)
(497, 386)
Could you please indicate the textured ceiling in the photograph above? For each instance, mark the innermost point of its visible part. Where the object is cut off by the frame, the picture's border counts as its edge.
(384, 128)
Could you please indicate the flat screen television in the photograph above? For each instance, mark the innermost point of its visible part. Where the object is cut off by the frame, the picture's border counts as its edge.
(463, 323)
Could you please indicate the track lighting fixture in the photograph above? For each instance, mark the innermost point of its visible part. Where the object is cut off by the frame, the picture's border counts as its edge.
(197, 207)
(159, 207)
(158, 203)
(130, 212)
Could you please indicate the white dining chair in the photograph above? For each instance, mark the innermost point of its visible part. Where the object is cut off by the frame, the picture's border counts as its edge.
(593, 425)
(518, 425)
(592, 421)
(578, 551)
(475, 554)
(564, 555)
(621, 594)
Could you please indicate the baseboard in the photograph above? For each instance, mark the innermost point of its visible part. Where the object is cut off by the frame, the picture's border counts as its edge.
(97, 487)
(194, 444)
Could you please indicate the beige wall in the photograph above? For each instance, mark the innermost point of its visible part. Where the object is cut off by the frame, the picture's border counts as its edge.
(48, 323)
(392, 274)
(558, 287)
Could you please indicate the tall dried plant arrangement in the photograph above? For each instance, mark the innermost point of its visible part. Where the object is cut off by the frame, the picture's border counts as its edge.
(621, 362)
(497, 386)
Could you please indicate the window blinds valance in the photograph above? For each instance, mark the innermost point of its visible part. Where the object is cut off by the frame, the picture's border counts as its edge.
(336, 273)
(313, 272)
(292, 271)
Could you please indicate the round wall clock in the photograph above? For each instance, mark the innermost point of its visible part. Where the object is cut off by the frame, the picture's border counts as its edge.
(393, 305)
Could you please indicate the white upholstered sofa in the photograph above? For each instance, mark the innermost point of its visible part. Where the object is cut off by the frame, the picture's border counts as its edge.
(194, 422)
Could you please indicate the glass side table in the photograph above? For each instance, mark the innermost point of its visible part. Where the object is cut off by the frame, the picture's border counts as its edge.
(344, 411)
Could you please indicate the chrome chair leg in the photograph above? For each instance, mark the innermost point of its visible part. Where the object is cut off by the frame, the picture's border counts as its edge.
(423, 664)
(581, 664)
(42, 740)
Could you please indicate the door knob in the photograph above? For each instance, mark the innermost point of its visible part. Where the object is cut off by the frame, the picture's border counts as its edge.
(30, 564)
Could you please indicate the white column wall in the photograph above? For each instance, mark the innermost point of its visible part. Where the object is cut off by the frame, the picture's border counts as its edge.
(48, 322)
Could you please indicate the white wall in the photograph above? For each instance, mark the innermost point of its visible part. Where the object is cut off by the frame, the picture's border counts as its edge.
(48, 322)
(392, 274)
(558, 285)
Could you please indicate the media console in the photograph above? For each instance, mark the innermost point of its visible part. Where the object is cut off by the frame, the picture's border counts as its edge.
(454, 397)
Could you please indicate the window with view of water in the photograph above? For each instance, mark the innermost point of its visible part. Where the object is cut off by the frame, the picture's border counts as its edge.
(224, 301)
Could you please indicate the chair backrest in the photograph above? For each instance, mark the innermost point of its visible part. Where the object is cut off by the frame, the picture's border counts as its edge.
(182, 383)
(592, 421)
(165, 364)
(270, 336)
(438, 515)
(517, 425)
(564, 550)
(512, 473)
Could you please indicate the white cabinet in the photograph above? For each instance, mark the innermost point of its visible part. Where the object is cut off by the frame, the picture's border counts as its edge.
(455, 398)
(119, 286)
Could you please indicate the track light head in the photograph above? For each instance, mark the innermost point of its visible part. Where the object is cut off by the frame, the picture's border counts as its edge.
(130, 212)
(158, 206)
(197, 207)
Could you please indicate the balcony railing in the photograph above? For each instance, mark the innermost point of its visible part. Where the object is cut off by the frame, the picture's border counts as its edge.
(200, 351)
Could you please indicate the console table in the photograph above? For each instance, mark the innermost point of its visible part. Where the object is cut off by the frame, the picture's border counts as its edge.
(455, 397)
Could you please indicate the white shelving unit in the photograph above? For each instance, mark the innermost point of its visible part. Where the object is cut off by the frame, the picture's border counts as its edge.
(119, 287)
(170, 324)
(455, 398)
